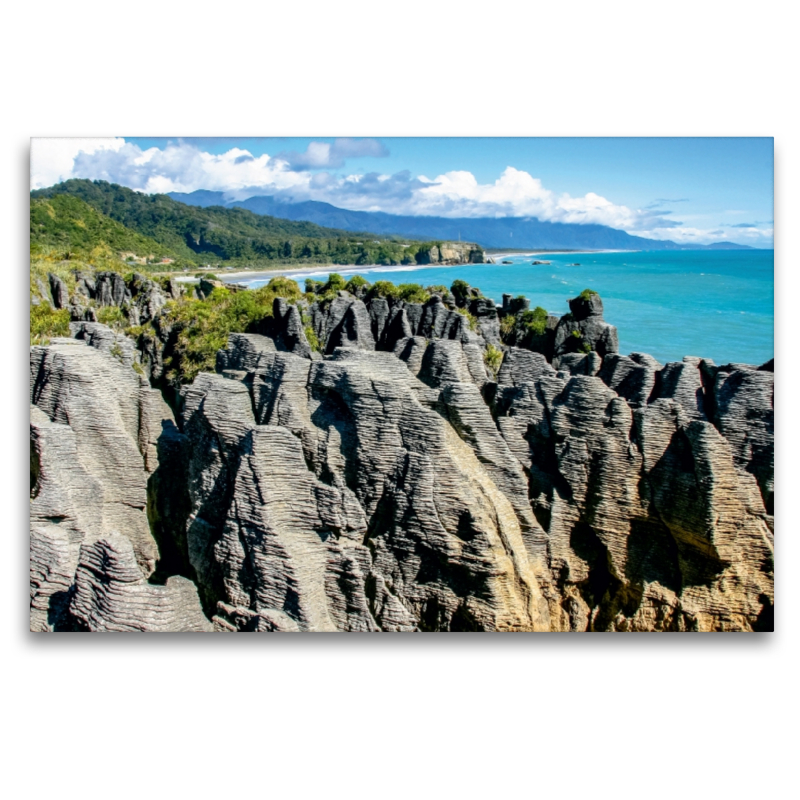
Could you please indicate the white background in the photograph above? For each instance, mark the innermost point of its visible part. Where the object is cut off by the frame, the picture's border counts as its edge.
(426, 716)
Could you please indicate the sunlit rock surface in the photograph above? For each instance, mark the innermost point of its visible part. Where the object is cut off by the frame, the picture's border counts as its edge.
(395, 481)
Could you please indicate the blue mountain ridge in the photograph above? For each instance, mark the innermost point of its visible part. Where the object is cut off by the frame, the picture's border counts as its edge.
(489, 232)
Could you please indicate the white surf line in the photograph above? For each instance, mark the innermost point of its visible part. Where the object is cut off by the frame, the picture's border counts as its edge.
(247, 276)
(341, 269)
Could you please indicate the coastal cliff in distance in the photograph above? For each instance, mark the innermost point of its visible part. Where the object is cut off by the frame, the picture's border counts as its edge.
(380, 458)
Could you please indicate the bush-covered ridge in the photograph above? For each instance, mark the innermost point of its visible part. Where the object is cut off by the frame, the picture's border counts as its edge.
(69, 224)
(214, 234)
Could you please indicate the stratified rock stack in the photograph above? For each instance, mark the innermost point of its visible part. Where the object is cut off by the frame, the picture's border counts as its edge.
(652, 524)
(584, 328)
(96, 426)
(347, 503)
(396, 476)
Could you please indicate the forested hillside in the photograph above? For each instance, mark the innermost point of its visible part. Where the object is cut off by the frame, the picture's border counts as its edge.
(67, 223)
(164, 226)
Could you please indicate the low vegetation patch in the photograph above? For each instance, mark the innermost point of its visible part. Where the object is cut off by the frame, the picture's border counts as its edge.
(47, 322)
(534, 320)
(413, 293)
(203, 325)
(493, 358)
(111, 316)
(355, 283)
(507, 325)
(383, 289)
(472, 320)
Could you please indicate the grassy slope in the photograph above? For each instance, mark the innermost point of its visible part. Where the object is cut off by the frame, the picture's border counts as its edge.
(189, 230)
(67, 223)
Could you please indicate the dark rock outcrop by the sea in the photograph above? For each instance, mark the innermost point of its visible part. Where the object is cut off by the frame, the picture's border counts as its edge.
(383, 474)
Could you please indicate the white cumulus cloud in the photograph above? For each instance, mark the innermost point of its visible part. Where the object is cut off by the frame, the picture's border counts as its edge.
(52, 159)
(183, 168)
(516, 194)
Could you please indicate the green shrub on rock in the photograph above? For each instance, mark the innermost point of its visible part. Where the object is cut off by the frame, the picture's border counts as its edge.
(472, 320)
(203, 325)
(284, 287)
(335, 283)
(355, 283)
(507, 325)
(46, 322)
(412, 293)
(112, 316)
(383, 289)
(460, 290)
(534, 321)
(493, 358)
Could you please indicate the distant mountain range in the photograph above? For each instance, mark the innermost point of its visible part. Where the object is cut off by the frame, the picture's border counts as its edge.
(510, 232)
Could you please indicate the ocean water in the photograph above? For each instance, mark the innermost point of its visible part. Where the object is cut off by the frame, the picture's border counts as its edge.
(712, 304)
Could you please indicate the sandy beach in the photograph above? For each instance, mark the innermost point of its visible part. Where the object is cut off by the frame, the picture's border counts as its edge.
(323, 270)
(318, 271)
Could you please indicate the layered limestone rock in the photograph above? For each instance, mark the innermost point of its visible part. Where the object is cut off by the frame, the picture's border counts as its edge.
(387, 481)
(95, 431)
(380, 323)
(632, 377)
(112, 594)
(346, 503)
(140, 298)
(585, 329)
(652, 521)
(742, 407)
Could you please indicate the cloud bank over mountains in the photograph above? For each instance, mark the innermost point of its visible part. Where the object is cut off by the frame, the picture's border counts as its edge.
(182, 166)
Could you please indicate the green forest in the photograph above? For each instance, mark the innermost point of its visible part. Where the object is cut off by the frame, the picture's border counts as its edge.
(78, 216)
(66, 223)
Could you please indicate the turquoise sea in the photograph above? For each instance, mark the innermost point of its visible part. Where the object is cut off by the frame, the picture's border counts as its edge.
(712, 304)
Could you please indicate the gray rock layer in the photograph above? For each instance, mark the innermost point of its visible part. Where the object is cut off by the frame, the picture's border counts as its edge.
(391, 485)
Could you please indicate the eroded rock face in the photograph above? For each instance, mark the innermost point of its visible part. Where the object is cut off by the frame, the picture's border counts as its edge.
(584, 329)
(347, 503)
(379, 323)
(653, 522)
(95, 431)
(743, 410)
(633, 377)
(112, 594)
(394, 484)
(59, 291)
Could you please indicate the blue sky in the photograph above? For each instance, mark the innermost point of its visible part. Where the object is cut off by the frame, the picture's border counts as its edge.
(686, 189)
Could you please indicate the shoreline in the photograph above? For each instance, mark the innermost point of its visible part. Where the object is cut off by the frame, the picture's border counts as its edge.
(248, 276)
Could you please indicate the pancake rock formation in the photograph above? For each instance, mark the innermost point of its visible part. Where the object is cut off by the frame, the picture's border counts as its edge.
(364, 463)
